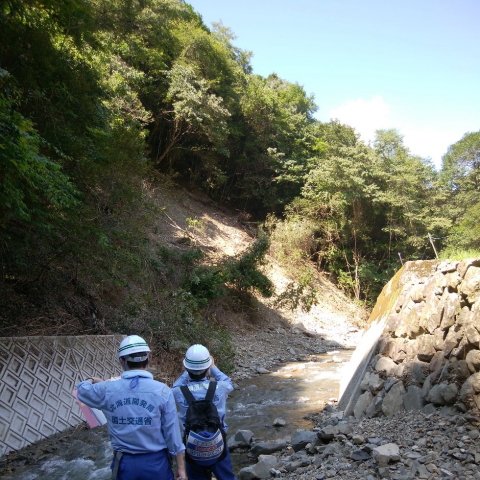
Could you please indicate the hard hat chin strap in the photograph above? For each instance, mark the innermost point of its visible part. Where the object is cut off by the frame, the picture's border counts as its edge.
(196, 375)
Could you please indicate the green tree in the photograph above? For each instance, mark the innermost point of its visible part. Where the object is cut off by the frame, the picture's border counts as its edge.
(460, 176)
(409, 197)
(340, 193)
(33, 189)
(270, 145)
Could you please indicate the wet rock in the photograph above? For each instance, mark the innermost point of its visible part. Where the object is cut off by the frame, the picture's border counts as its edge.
(301, 438)
(266, 448)
(241, 439)
(263, 370)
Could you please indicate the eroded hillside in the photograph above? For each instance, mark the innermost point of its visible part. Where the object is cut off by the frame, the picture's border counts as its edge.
(184, 221)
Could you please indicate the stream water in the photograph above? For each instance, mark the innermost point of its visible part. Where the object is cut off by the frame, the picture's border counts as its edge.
(290, 392)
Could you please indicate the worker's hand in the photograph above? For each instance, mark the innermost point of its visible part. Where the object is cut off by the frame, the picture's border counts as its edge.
(95, 379)
(181, 475)
(213, 362)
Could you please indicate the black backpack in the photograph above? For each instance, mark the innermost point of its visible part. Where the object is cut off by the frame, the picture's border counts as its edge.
(204, 438)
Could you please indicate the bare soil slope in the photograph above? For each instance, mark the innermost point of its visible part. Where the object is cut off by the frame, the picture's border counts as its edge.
(225, 232)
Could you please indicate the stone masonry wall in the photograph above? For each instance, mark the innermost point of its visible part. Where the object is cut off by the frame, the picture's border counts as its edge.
(37, 377)
(428, 355)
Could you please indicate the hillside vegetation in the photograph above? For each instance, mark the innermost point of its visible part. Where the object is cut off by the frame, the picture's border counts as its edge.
(109, 108)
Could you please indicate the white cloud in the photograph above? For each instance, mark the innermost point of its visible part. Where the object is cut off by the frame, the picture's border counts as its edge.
(428, 142)
(365, 116)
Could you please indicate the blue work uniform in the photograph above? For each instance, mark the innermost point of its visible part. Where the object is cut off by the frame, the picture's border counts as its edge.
(222, 469)
(142, 423)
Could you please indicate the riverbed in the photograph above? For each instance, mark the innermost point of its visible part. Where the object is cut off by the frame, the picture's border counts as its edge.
(289, 392)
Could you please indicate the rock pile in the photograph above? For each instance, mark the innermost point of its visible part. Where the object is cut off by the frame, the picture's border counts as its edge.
(403, 446)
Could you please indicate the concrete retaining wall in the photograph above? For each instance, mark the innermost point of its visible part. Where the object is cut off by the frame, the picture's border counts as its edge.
(37, 376)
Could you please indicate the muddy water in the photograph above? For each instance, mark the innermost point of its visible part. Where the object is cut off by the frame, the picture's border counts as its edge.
(290, 392)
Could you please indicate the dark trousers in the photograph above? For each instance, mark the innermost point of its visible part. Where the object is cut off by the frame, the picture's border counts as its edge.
(144, 466)
(222, 470)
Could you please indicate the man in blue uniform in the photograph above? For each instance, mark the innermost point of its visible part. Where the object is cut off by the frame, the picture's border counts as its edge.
(198, 365)
(141, 415)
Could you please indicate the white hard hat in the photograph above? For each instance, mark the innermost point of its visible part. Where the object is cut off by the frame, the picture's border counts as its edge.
(131, 345)
(197, 358)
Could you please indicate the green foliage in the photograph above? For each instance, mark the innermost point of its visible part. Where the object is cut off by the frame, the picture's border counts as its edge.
(452, 253)
(205, 283)
(33, 190)
(244, 274)
(460, 178)
(466, 234)
(294, 239)
(178, 323)
(196, 111)
(299, 293)
(362, 206)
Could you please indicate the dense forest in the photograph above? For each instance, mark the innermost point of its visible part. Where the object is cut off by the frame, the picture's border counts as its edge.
(101, 100)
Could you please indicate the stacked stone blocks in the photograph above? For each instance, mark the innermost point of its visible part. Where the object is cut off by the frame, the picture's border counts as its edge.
(428, 356)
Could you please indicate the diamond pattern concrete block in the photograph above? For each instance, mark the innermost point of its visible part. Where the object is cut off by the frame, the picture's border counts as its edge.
(18, 423)
(76, 410)
(62, 424)
(69, 384)
(49, 416)
(4, 427)
(63, 411)
(4, 352)
(28, 377)
(19, 350)
(16, 365)
(35, 352)
(31, 435)
(31, 364)
(52, 401)
(43, 374)
(7, 415)
(38, 403)
(14, 441)
(25, 392)
(47, 430)
(7, 395)
(55, 386)
(34, 420)
(21, 407)
(37, 376)
(59, 360)
(69, 372)
(55, 372)
(11, 379)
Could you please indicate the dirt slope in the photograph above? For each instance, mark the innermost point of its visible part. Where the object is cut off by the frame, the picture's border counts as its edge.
(227, 232)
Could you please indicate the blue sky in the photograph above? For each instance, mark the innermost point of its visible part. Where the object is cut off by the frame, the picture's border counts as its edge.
(412, 65)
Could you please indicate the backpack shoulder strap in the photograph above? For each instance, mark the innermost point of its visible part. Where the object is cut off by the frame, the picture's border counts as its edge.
(211, 391)
(187, 394)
